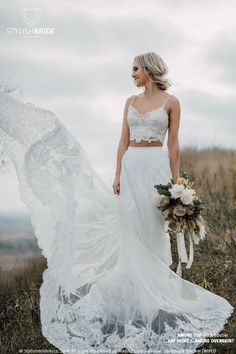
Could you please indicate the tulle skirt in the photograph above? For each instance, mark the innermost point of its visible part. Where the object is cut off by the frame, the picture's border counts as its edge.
(108, 284)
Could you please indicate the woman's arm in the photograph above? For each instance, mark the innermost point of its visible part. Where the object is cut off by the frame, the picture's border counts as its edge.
(173, 141)
(124, 138)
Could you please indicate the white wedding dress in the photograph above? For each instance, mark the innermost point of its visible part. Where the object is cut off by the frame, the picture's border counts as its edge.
(108, 284)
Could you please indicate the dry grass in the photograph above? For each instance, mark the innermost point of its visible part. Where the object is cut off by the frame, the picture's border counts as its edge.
(214, 171)
(19, 308)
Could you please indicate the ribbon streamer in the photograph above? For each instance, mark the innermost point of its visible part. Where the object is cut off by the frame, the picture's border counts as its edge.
(182, 253)
(190, 261)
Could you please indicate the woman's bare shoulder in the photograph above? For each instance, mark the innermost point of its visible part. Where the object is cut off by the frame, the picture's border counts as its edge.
(174, 98)
(130, 99)
(173, 106)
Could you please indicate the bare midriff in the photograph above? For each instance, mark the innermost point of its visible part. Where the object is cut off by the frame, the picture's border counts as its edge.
(144, 143)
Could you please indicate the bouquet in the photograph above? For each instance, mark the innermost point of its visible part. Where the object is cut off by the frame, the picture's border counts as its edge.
(181, 209)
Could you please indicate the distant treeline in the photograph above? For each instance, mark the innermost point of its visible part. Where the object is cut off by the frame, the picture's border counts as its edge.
(20, 244)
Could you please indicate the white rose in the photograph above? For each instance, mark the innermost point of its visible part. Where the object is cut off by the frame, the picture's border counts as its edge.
(177, 190)
(160, 199)
(187, 196)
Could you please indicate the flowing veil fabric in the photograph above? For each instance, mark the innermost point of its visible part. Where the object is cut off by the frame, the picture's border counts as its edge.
(108, 284)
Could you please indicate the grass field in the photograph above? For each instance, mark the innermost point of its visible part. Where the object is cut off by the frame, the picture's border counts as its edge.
(214, 171)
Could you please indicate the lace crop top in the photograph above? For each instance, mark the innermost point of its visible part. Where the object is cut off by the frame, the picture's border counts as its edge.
(149, 126)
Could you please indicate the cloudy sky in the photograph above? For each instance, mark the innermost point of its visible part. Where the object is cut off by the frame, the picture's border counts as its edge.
(82, 72)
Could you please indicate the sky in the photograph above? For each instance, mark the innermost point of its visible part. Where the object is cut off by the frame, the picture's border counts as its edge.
(82, 70)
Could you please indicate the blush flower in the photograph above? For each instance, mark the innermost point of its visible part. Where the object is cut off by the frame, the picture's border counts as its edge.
(179, 210)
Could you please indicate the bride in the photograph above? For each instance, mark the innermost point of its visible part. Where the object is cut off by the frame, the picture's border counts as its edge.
(108, 284)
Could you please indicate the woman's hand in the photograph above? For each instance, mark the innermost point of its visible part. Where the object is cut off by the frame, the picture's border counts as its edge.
(116, 185)
(179, 180)
(176, 179)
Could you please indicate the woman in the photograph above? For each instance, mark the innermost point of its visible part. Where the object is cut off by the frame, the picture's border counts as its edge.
(149, 73)
(108, 284)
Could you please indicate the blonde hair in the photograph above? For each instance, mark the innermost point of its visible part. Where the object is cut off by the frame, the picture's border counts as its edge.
(155, 67)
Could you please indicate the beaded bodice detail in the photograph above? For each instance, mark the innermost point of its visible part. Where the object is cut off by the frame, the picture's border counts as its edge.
(148, 126)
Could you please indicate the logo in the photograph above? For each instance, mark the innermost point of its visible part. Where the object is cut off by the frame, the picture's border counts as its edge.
(31, 15)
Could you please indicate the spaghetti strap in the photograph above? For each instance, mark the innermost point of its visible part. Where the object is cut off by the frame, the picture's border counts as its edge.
(132, 100)
(166, 100)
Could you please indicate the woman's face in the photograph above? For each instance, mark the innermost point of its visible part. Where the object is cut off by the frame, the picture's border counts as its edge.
(140, 78)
